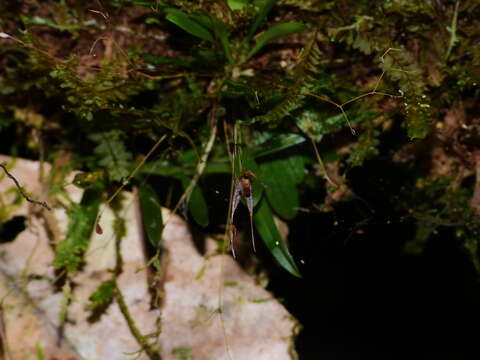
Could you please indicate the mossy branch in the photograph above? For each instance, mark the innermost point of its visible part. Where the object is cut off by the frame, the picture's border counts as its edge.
(149, 349)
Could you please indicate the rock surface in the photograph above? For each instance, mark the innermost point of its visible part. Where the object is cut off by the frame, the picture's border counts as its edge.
(252, 324)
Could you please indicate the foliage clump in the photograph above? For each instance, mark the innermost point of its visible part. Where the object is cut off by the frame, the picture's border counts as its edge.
(179, 93)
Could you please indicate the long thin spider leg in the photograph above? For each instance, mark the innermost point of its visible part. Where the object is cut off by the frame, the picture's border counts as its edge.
(249, 201)
(237, 194)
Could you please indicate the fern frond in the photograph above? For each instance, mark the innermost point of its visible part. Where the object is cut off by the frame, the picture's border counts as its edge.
(69, 252)
(306, 74)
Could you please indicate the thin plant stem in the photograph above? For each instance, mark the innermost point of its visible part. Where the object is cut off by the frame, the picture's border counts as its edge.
(22, 192)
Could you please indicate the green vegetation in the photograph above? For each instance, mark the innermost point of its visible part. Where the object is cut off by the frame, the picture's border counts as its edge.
(218, 87)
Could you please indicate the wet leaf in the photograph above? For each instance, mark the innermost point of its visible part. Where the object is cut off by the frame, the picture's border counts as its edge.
(262, 13)
(237, 4)
(197, 204)
(271, 237)
(281, 177)
(151, 214)
(185, 22)
(218, 29)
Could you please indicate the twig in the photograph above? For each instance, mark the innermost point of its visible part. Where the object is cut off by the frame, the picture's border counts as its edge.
(132, 174)
(201, 165)
(452, 29)
(22, 192)
(322, 165)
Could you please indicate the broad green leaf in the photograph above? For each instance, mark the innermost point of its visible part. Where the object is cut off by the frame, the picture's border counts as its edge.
(268, 231)
(237, 4)
(263, 11)
(82, 217)
(281, 177)
(185, 22)
(218, 28)
(151, 214)
(277, 142)
(226, 46)
(197, 204)
(274, 32)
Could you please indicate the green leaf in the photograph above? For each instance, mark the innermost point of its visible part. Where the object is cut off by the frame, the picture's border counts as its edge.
(237, 4)
(151, 214)
(82, 217)
(275, 143)
(197, 204)
(274, 32)
(185, 22)
(271, 237)
(263, 11)
(112, 154)
(281, 177)
(218, 28)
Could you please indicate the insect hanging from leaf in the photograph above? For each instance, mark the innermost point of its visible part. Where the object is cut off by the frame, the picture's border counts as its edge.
(242, 189)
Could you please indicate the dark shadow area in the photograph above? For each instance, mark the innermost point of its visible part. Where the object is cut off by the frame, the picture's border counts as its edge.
(11, 228)
(362, 296)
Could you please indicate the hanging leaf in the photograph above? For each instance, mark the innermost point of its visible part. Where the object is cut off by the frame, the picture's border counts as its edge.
(185, 22)
(274, 32)
(237, 4)
(82, 217)
(263, 11)
(151, 214)
(197, 204)
(281, 177)
(271, 237)
(217, 28)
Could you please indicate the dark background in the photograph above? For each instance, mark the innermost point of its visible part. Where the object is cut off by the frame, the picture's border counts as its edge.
(363, 297)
